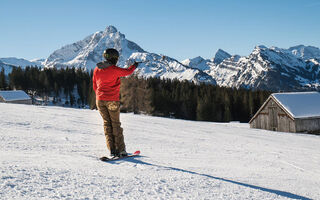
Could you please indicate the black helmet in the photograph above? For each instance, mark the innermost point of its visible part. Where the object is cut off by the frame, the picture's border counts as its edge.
(111, 55)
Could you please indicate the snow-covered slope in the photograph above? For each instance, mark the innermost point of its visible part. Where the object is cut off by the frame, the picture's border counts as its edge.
(52, 153)
(198, 63)
(155, 65)
(305, 52)
(225, 72)
(38, 61)
(20, 62)
(7, 68)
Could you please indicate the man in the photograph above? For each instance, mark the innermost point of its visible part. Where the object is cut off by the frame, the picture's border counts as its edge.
(106, 84)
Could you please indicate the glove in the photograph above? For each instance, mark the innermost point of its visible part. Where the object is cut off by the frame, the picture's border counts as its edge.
(135, 64)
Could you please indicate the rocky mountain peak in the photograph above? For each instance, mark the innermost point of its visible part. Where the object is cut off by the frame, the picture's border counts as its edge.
(110, 29)
(87, 52)
(220, 56)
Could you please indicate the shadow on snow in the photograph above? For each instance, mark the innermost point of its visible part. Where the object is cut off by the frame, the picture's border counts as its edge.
(277, 192)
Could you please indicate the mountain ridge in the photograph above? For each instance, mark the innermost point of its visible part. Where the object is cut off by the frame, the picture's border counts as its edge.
(277, 69)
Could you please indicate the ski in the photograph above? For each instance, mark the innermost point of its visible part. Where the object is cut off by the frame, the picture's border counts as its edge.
(107, 159)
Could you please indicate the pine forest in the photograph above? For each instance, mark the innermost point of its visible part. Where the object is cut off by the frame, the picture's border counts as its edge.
(152, 96)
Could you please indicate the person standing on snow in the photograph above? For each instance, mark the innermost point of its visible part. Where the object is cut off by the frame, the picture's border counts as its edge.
(106, 84)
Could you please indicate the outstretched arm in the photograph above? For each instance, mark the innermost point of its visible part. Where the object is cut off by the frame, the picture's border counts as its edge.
(125, 72)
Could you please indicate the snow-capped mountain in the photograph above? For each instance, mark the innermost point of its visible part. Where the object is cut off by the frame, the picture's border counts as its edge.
(20, 62)
(198, 63)
(306, 52)
(87, 52)
(271, 68)
(265, 68)
(7, 68)
(38, 61)
(206, 64)
(165, 67)
(268, 68)
(220, 56)
(224, 72)
(8, 63)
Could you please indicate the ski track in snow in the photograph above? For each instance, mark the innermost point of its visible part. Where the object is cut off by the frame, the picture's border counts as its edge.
(52, 153)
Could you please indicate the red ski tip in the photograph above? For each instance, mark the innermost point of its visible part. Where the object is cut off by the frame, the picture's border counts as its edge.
(137, 152)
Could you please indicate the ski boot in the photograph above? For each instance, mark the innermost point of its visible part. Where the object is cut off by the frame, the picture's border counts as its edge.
(123, 154)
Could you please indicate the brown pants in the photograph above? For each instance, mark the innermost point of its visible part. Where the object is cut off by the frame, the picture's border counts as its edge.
(110, 112)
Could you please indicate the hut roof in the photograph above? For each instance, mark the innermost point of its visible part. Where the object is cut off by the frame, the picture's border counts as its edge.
(14, 95)
(296, 104)
(300, 104)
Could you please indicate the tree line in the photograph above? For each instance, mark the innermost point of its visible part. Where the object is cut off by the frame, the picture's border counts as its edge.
(69, 84)
(187, 100)
(152, 96)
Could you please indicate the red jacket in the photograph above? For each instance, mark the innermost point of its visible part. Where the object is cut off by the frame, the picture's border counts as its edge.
(106, 81)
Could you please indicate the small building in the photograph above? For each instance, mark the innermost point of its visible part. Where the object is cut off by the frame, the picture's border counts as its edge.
(16, 96)
(297, 112)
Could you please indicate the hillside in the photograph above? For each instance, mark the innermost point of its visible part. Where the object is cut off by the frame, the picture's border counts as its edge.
(20, 62)
(52, 153)
(7, 68)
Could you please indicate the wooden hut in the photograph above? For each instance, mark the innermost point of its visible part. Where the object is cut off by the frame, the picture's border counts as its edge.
(16, 96)
(289, 112)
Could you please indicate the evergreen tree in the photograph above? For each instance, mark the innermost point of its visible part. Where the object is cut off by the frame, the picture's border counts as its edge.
(3, 83)
(227, 111)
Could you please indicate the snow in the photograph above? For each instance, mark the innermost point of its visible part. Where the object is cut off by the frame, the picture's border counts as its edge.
(14, 95)
(220, 56)
(300, 104)
(7, 68)
(199, 63)
(87, 52)
(52, 153)
(155, 65)
(38, 61)
(314, 61)
(19, 62)
(305, 52)
(252, 71)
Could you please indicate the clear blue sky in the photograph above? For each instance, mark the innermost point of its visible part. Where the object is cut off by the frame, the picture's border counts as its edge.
(177, 28)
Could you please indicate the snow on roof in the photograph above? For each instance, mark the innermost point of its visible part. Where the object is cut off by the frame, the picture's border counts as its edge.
(300, 104)
(14, 95)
